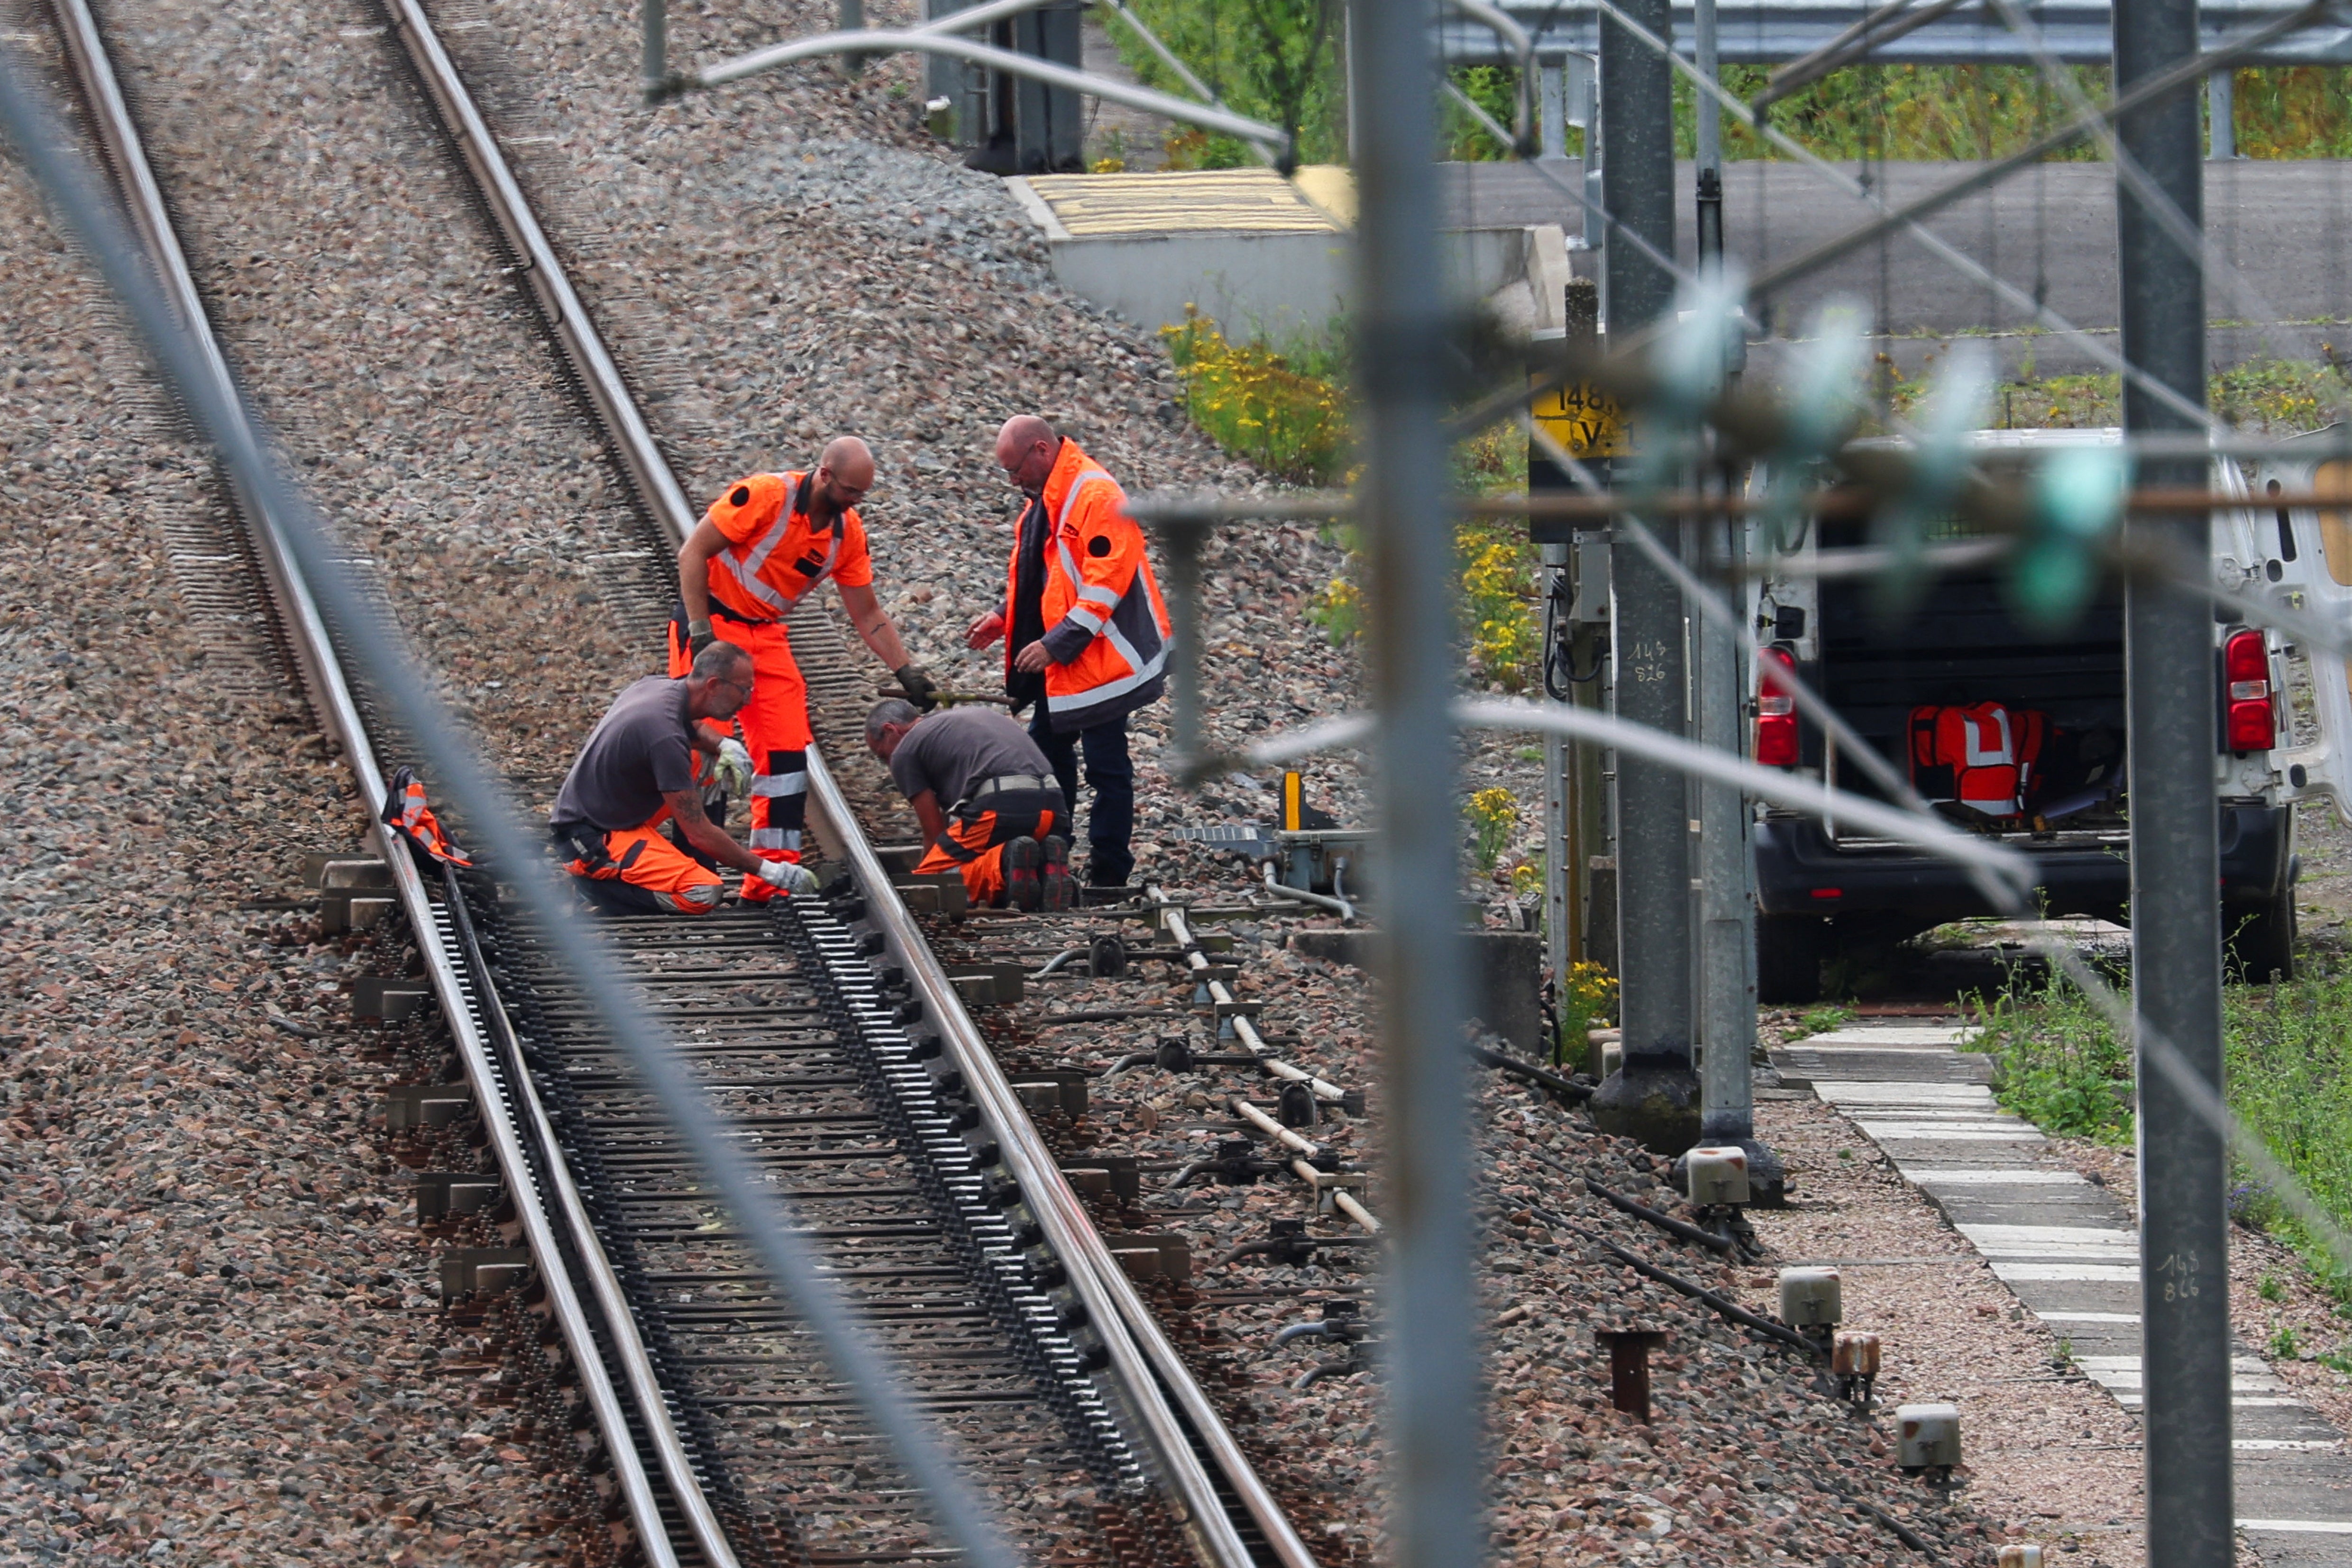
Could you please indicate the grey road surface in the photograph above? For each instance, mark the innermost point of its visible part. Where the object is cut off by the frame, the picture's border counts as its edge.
(2284, 227)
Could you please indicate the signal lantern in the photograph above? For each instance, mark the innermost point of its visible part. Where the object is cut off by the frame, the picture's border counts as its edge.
(2252, 720)
(1776, 708)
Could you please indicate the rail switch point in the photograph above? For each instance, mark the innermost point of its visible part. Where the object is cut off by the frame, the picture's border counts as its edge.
(1717, 1176)
(1927, 1436)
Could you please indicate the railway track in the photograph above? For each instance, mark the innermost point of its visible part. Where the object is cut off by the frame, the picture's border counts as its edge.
(842, 1053)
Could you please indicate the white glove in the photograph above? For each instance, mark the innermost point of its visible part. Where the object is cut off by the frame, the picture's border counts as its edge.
(732, 771)
(788, 876)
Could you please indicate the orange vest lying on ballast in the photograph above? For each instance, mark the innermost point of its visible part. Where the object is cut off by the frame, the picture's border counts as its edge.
(1981, 756)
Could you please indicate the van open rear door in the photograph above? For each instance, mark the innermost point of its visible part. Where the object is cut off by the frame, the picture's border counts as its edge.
(2302, 557)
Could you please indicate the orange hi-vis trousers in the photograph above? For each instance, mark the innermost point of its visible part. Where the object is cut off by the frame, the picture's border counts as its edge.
(976, 836)
(643, 858)
(775, 725)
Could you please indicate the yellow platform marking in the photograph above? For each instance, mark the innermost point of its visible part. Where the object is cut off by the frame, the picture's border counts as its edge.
(1232, 201)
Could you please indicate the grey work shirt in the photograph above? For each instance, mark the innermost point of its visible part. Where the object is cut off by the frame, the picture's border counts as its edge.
(950, 752)
(642, 749)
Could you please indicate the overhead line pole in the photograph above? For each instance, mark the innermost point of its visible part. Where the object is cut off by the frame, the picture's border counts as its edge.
(2174, 854)
(1654, 1095)
(1412, 649)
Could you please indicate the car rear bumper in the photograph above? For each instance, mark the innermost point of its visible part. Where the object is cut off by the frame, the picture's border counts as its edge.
(1799, 872)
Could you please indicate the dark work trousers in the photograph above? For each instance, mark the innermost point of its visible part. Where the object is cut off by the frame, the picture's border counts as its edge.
(1110, 815)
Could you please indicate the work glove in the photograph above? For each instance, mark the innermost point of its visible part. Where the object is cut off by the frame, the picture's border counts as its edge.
(788, 876)
(732, 771)
(916, 683)
(698, 636)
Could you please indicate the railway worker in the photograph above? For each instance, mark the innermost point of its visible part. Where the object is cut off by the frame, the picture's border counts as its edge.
(638, 771)
(1003, 805)
(767, 540)
(1086, 634)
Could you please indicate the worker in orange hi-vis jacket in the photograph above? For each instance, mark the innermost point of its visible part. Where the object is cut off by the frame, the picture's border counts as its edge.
(1085, 635)
(766, 541)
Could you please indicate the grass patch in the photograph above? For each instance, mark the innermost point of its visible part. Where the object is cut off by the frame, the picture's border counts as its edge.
(2288, 1053)
(2266, 395)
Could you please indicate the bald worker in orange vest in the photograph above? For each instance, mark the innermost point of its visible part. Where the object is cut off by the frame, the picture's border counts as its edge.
(765, 542)
(1085, 635)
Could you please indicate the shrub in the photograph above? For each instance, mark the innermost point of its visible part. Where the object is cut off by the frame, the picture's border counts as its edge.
(1258, 405)
(1493, 816)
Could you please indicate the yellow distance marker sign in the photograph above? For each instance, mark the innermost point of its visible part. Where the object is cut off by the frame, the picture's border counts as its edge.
(1589, 423)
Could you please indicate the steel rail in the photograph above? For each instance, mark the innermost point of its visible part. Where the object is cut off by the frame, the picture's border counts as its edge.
(1163, 1394)
(575, 331)
(1160, 1392)
(332, 698)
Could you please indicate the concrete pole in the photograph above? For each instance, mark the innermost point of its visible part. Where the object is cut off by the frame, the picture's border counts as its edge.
(1654, 1095)
(1402, 319)
(657, 54)
(1560, 949)
(2175, 856)
(1709, 126)
(1726, 910)
(1552, 108)
(2221, 114)
(852, 19)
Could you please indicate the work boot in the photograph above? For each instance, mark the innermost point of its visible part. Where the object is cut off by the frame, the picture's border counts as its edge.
(1060, 888)
(1023, 890)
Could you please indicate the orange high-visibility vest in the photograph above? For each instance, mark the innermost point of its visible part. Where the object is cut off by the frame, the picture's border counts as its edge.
(1106, 631)
(774, 552)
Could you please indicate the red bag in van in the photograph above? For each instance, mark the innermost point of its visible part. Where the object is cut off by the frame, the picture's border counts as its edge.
(1981, 755)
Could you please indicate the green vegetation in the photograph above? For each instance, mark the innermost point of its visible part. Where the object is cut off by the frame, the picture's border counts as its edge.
(2270, 1288)
(1586, 1001)
(1820, 1020)
(1276, 60)
(1284, 410)
(2285, 1345)
(1279, 60)
(2289, 1053)
(1494, 818)
(2268, 395)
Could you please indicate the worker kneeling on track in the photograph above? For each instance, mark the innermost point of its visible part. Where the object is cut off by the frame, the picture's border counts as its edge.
(1002, 832)
(638, 771)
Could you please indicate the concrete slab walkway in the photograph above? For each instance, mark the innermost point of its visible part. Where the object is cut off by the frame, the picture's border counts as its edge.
(2068, 1250)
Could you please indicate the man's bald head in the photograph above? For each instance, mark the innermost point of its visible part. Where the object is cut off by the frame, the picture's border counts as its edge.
(1026, 447)
(844, 472)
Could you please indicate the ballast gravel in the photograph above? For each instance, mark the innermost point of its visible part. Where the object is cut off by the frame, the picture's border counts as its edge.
(774, 263)
(217, 1338)
(1749, 1458)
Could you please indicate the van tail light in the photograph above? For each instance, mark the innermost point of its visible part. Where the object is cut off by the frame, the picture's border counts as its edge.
(1776, 708)
(2252, 720)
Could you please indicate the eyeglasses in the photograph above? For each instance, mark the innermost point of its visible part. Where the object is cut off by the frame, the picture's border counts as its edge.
(739, 685)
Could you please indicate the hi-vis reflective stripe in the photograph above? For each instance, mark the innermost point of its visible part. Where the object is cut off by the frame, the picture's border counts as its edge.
(1110, 689)
(771, 785)
(2000, 756)
(1085, 476)
(746, 571)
